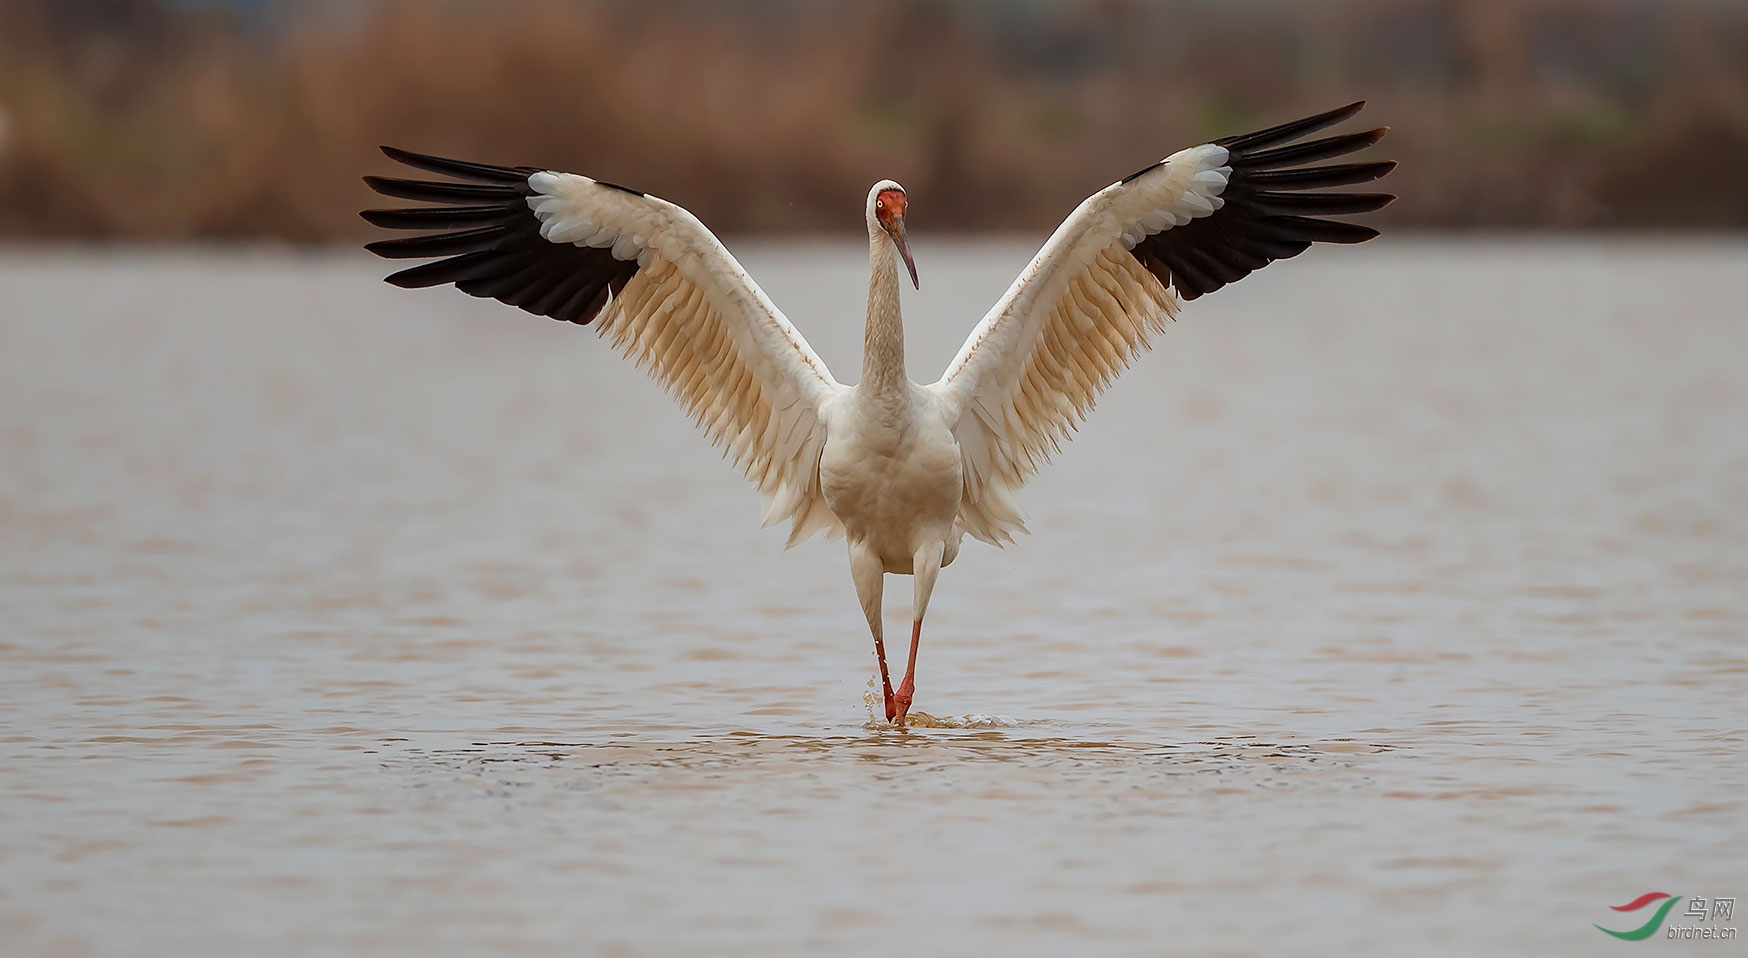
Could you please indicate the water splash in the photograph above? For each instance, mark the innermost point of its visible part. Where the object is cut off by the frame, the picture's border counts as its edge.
(875, 703)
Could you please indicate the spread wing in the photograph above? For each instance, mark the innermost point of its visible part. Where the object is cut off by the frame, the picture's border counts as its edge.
(656, 284)
(1113, 274)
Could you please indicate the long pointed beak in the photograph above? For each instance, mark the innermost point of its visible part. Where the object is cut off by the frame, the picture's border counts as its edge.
(904, 249)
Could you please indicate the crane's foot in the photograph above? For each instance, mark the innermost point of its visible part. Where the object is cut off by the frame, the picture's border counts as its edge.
(891, 705)
(901, 699)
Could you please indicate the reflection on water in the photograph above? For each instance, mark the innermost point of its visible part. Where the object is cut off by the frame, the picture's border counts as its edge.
(751, 749)
(1393, 604)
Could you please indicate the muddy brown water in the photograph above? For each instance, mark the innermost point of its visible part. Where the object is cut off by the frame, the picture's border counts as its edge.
(1396, 603)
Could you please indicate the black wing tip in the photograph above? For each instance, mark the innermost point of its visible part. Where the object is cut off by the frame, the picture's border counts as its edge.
(1142, 171)
(459, 169)
(1362, 139)
(468, 170)
(1295, 154)
(418, 161)
(1317, 203)
(388, 219)
(622, 189)
(395, 186)
(400, 280)
(489, 241)
(1356, 234)
(1318, 230)
(1339, 114)
(1290, 130)
(413, 277)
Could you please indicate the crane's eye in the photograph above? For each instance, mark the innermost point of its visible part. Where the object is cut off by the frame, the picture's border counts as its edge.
(879, 204)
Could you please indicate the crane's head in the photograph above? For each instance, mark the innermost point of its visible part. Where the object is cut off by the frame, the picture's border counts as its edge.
(886, 206)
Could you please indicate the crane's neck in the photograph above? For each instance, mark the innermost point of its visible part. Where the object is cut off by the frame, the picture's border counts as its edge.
(883, 342)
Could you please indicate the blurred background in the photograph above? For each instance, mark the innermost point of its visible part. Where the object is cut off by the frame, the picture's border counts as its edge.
(206, 119)
(1392, 605)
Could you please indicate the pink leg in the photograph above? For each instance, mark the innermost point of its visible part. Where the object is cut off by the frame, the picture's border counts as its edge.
(907, 688)
(885, 679)
(866, 572)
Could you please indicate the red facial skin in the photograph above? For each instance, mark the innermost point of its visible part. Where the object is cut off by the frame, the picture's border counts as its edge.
(888, 204)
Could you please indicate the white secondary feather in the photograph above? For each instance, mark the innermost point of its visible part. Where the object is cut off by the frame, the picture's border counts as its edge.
(694, 319)
(1075, 318)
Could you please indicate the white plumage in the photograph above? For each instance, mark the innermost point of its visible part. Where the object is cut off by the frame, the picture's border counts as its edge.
(902, 470)
(694, 319)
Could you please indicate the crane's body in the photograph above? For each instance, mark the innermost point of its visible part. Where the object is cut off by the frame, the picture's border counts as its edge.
(890, 472)
(902, 470)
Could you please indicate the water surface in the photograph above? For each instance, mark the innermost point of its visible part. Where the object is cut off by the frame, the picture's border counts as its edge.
(1395, 603)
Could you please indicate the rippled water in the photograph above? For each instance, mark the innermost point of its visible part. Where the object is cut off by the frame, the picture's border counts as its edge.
(1396, 603)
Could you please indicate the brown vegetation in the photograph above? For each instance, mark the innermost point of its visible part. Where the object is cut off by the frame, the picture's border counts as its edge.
(130, 119)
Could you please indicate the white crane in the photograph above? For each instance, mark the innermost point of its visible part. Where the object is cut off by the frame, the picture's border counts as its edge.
(902, 470)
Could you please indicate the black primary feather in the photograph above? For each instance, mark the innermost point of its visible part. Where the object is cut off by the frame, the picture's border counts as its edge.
(491, 240)
(1266, 216)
